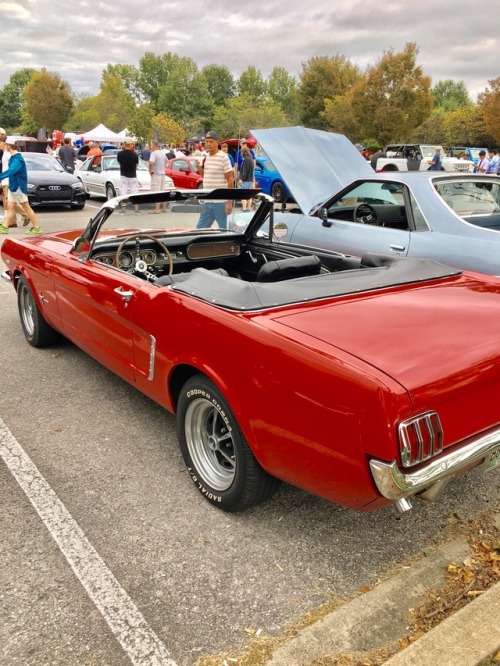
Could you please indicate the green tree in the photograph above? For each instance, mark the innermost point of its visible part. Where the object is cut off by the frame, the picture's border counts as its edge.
(220, 83)
(154, 73)
(282, 90)
(142, 123)
(85, 115)
(450, 95)
(12, 98)
(130, 78)
(489, 101)
(323, 78)
(48, 99)
(114, 104)
(185, 94)
(395, 97)
(340, 118)
(466, 126)
(168, 130)
(433, 130)
(242, 113)
(252, 83)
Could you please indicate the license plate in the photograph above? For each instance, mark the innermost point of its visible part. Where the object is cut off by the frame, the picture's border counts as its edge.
(492, 461)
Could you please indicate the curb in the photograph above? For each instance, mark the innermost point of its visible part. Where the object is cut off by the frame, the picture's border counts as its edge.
(380, 617)
(464, 639)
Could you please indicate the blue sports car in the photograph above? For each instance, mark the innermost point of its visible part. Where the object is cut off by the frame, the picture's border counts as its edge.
(343, 205)
(269, 179)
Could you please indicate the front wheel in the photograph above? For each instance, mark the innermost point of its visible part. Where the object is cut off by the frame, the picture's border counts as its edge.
(36, 330)
(219, 460)
(110, 192)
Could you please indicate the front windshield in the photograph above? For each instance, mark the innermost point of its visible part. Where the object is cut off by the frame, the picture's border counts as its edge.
(370, 193)
(42, 163)
(158, 213)
(428, 151)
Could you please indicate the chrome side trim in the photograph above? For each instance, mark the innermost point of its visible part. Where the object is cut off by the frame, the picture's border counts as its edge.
(152, 355)
(6, 276)
(394, 484)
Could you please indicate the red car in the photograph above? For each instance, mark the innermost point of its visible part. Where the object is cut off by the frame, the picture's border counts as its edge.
(363, 380)
(184, 172)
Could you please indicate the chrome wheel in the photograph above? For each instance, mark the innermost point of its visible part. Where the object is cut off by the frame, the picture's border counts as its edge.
(36, 330)
(210, 444)
(217, 455)
(27, 309)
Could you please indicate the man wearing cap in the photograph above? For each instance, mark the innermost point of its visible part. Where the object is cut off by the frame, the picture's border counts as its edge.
(217, 172)
(4, 183)
(18, 189)
(484, 164)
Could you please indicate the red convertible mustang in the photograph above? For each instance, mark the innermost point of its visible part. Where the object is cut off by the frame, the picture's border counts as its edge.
(362, 380)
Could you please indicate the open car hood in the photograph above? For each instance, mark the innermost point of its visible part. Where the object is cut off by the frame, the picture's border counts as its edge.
(314, 164)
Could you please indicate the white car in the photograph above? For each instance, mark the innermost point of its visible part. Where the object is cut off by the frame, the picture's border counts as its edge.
(100, 175)
(416, 157)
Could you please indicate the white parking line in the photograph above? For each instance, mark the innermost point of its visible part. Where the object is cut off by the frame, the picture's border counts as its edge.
(129, 627)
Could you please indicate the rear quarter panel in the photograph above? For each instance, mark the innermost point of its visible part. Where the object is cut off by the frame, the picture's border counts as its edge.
(311, 419)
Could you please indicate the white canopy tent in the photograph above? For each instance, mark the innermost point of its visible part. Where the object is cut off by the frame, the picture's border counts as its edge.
(125, 134)
(101, 133)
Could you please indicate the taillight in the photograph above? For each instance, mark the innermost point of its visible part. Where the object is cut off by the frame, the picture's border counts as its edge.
(420, 438)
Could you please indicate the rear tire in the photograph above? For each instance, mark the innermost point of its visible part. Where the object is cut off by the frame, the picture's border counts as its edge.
(219, 460)
(278, 192)
(36, 330)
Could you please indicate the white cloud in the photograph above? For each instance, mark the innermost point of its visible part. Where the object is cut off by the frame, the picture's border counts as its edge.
(78, 39)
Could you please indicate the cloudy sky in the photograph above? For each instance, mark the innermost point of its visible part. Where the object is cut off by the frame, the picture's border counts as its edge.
(458, 39)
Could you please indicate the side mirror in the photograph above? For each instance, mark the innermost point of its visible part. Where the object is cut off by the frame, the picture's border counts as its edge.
(81, 247)
(323, 216)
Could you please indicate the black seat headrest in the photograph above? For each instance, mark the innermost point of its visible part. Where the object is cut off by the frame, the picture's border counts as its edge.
(287, 269)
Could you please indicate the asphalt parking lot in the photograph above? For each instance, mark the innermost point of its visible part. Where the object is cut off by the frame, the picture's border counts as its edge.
(118, 558)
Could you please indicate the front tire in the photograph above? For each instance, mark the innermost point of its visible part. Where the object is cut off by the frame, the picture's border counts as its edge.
(110, 192)
(36, 330)
(219, 460)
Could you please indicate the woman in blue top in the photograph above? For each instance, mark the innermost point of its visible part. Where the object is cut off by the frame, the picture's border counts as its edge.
(18, 190)
(435, 163)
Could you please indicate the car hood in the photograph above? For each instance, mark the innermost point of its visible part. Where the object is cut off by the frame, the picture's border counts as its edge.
(51, 177)
(419, 336)
(314, 164)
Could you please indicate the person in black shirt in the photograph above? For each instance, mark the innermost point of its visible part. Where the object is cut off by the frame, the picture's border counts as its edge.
(67, 156)
(128, 161)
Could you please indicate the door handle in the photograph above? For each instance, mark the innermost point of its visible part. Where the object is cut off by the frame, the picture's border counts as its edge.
(126, 295)
(397, 248)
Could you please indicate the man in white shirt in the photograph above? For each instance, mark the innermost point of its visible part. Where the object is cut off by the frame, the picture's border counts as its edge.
(484, 164)
(217, 172)
(157, 164)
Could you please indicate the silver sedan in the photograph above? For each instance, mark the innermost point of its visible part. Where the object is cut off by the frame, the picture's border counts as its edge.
(100, 175)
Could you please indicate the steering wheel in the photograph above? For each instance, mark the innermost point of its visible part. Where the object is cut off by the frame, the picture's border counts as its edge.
(365, 214)
(139, 265)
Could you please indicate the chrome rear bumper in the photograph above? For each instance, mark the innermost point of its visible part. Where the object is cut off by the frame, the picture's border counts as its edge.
(395, 484)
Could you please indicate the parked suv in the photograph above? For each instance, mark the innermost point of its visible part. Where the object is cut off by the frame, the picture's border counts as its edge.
(415, 157)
